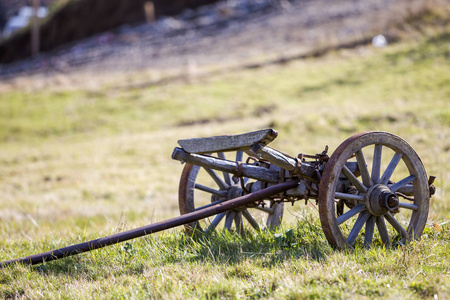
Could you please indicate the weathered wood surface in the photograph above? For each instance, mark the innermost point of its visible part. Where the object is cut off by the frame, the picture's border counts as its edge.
(215, 163)
(224, 143)
(284, 161)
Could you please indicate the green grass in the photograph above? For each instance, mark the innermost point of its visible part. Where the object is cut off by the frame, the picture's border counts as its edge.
(80, 164)
(226, 265)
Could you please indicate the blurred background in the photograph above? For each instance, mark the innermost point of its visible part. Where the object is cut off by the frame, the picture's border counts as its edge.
(61, 36)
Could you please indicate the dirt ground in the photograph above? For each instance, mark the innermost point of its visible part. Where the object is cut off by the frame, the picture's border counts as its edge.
(226, 35)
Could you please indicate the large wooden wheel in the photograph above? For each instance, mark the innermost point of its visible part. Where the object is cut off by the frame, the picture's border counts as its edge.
(201, 187)
(389, 192)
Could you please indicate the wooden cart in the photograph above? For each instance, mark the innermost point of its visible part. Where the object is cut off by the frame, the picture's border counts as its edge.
(373, 187)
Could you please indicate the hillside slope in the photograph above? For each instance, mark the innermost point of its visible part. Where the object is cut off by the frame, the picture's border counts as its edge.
(223, 36)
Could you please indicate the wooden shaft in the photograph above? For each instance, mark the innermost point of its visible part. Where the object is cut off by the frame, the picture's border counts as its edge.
(209, 162)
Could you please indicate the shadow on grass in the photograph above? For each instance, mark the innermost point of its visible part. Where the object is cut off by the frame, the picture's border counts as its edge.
(221, 250)
(269, 248)
(265, 248)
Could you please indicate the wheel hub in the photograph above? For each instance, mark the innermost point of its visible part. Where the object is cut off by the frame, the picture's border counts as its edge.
(380, 200)
(234, 192)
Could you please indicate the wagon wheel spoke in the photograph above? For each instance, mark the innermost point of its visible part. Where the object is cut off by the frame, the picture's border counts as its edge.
(226, 176)
(215, 222)
(239, 223)
(367, 181)
(222, 185)
(250, 219)
(360, 221)
(402, 183)
(408, 206)
(368, 234)
(391, 168)
(361, 188)
(397, 226)
(229, 220)
(346, 196)
(265, 209)
(239, 155)
(376, 163)
(210, 190)
(383, 231)
(352, 212)
(210, 204)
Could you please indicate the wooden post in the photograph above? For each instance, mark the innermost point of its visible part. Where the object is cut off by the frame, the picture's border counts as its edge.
(35, 29)
(149, 9)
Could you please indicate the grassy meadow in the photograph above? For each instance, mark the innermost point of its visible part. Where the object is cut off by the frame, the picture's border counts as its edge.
(81, 163)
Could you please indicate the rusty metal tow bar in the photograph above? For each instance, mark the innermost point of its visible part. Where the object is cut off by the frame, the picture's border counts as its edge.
(152, 228)
(249, 190)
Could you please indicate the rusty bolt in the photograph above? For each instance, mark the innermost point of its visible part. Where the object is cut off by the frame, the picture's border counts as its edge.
(392, 201)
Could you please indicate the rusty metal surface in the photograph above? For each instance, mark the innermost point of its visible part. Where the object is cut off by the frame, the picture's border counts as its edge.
(285, 161)
(152, 228)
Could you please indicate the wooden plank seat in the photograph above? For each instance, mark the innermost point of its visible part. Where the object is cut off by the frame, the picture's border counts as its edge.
(223, 143)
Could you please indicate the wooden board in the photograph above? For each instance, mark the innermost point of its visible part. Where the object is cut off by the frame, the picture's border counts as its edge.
(224, 143)
(210, 162)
